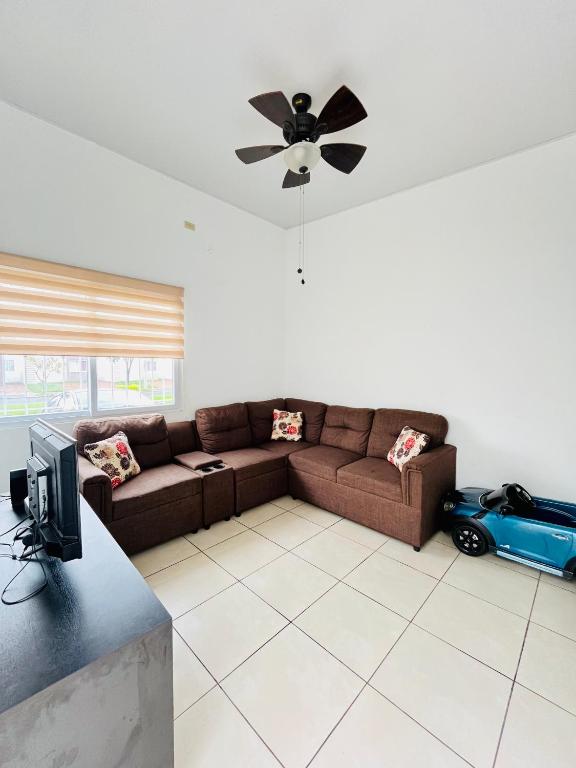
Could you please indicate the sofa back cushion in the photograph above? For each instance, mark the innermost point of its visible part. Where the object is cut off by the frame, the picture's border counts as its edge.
(224, 428)
(389, 422)
(260, 418)
(313, 415)
(347, 428)
(182, 436)
(147, 435)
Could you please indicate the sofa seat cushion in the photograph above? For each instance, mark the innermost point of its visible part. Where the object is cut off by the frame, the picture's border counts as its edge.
(284, 447)
(251, 462)
(152, 488)
(376, 476)
(322, 460)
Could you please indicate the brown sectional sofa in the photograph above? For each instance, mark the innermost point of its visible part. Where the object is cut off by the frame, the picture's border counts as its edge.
(339, 465)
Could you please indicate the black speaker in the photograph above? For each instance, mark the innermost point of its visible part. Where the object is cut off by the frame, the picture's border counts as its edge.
(18, 487)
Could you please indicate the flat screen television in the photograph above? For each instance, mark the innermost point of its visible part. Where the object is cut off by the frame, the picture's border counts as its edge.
(53, 498)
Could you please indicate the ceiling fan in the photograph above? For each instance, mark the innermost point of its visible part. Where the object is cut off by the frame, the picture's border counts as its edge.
(301, 131)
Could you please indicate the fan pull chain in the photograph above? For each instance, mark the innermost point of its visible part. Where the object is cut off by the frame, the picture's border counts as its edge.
(301, 238)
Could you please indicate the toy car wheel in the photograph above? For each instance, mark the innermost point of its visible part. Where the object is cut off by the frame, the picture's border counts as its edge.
(570, 574)
(469, 539)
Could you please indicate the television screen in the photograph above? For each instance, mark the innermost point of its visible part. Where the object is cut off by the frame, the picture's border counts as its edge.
(53, 498)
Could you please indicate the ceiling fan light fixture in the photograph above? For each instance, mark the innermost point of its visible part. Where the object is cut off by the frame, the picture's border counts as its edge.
(302, 157)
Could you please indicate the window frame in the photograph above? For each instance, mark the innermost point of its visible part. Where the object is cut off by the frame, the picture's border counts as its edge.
(93, 411)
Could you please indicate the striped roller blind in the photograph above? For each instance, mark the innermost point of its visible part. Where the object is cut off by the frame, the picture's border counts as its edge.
(48, 309)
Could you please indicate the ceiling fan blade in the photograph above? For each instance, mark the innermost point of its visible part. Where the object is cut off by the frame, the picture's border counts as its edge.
(343, 157)
(341, 111)
(253, 154)
(274, 106)
(295, 179)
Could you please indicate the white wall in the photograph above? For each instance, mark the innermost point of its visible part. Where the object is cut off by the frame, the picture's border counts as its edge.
(457, 297)
(66, 199)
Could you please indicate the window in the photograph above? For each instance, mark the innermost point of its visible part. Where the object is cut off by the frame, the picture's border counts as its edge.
(131, 382)
(32, 385)
(81, 342)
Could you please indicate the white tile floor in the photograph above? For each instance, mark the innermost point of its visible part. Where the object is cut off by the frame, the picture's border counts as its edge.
(301, 639)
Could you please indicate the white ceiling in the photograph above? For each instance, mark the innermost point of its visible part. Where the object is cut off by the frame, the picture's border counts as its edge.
(447, 84)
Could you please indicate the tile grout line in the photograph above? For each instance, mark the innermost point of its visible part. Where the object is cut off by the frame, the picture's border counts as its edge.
(420, 725)
(488, 602)
(218, 685)
(199, 660)
(464, 653)
(253, 653)
(181, 636)
(341, 581)
(202, 602)
(303, 610)
(363, 688)
(240, 580)
(544, 698)
(504, 719)
(290, 622)
(367, 683)
(165, 568)
(554, 631)
(412, 623)
(251, 726)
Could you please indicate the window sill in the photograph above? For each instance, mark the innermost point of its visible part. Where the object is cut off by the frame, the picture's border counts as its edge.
(16, 422)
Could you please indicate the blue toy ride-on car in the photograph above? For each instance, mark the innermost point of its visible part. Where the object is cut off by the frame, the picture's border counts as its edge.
(512, 524)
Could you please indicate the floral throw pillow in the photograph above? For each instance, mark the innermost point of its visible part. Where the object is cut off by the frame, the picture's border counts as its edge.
(287, 425)
(114, 456)
(409, 444)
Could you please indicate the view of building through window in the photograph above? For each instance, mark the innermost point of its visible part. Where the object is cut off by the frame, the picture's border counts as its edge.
(31, 385)
(131, 382)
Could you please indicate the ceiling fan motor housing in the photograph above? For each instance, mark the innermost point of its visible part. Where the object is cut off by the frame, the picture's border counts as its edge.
(300, 128)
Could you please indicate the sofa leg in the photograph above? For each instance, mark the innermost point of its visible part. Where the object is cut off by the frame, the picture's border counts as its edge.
(206, 527)
(227, 518)
(194, 531)
(237, 514)
(416, 549)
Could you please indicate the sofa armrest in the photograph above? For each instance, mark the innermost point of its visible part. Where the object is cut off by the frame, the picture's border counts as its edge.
(425, 480)
(96, 487)
(196, 459)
